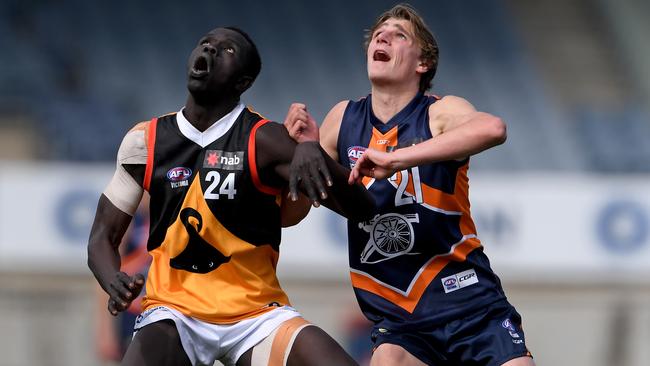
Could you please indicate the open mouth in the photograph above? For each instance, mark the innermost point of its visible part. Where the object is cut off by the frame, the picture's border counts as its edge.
(380, 55)
(201, 66)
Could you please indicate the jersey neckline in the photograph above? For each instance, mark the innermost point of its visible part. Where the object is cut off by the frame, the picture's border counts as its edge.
(212, 133)
(397, 118)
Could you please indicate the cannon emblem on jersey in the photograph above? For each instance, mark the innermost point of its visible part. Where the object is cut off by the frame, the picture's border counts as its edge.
(391, 235)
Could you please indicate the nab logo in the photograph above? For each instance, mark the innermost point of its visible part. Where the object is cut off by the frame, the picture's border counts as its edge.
(226, 160)
(382, 142)
(178, 174)
(354, 153)
(232, 160)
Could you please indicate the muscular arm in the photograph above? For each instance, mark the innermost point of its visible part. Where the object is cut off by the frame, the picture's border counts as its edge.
(293, 212)
(458, 131)
(329, 130)
(104, 258)
(303, 128)
(276, 152)
(114, 212)
(106, 234)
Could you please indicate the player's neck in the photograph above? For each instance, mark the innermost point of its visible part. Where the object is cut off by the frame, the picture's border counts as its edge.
(388, 101)
(202, 116)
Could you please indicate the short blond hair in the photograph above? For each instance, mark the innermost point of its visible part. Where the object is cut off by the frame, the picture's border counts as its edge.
(424, 36)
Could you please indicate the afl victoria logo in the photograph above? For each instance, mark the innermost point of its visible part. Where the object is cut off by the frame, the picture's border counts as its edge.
(450, 282)
(508, 325)
(354, 153)
(178, 174)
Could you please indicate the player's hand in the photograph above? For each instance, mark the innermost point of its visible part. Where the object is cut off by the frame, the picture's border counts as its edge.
(309, 169)
(123, 290)
(300, 124)
(374, 164)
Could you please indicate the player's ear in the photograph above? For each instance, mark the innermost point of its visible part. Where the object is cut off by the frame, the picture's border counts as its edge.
(423, 67)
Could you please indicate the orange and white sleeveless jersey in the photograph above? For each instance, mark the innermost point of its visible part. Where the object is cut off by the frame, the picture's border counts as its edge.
(215, 228)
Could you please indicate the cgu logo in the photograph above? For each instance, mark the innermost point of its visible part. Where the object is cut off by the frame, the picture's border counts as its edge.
(466, 277)
(450, 282)
(179, 173)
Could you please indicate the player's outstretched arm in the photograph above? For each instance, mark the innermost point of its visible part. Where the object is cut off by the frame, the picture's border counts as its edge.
(458, 131)
(307, 168)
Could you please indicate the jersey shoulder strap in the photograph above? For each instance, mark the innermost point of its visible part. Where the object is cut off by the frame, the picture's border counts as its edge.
(150, 140)
(252, 161)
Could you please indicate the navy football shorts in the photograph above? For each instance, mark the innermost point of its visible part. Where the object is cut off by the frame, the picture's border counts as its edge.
(489, 337)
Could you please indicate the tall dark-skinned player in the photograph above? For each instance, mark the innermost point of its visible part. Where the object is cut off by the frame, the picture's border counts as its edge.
(217, 173)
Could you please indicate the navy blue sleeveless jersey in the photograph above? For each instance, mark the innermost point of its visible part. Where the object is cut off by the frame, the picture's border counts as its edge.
(419, 262)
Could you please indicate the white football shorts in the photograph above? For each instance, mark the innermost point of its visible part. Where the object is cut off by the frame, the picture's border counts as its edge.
(206, 342)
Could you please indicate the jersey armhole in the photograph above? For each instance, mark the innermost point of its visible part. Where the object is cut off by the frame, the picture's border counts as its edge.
(252, 163)
(150, 139)
(340, 153)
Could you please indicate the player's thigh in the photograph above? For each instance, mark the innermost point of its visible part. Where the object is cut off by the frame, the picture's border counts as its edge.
(520, 361)
(392, 354)
(156, 344)
(245, 359)
(314, 347)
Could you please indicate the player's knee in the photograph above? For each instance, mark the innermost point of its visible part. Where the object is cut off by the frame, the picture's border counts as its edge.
(296, 342)
(391, 354)
(520, 361)
(313, 346)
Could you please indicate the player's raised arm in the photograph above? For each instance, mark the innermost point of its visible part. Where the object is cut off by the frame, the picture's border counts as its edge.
(302, 127)
(458, 130)
(309, 168)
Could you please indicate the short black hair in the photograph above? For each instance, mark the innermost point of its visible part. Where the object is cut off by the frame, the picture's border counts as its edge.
(253, 61)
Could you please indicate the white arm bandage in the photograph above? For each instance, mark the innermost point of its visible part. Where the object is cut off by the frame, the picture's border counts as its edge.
(123, 191)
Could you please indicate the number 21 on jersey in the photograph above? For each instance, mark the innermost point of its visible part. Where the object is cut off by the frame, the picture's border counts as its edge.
(402, 197)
